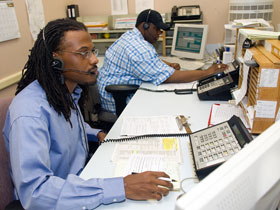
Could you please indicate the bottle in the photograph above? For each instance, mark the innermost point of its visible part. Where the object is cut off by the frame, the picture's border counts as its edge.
(227, 56)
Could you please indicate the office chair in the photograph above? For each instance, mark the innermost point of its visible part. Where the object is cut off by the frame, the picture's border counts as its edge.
(92, 111)
(120, 94)
(7, 201)
(98, 118)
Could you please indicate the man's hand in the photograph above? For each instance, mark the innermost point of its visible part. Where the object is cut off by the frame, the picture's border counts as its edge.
(101, 136)
(216, 68)
(146, 185)
(175, 66)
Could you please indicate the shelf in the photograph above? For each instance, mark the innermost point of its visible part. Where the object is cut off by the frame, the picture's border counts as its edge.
(94, 31)
(102, 43)
(103, 40)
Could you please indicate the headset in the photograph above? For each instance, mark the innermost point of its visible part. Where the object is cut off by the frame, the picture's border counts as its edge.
(146, 25)
(58, 65)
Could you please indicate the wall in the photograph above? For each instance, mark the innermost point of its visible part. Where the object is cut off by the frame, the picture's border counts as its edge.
(14, 53)
(216, 22)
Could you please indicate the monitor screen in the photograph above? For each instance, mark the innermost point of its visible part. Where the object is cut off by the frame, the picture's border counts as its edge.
(250, 180)
(189, 40)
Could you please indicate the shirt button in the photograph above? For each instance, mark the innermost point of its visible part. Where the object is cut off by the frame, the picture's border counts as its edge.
(115, 200)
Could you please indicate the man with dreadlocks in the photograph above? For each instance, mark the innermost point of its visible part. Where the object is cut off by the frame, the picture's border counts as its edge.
(45, 133)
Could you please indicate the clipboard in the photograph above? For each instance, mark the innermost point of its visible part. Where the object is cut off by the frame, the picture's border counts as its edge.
(182, 121)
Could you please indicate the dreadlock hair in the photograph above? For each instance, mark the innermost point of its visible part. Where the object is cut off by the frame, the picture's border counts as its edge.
(39, 65)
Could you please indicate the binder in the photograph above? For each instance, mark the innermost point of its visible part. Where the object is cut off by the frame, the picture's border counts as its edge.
(73, 11)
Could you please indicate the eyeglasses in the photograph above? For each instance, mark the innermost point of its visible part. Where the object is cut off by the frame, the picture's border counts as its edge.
(85, 54)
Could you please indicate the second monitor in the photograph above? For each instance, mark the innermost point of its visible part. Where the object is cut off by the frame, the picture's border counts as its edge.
(189, 41)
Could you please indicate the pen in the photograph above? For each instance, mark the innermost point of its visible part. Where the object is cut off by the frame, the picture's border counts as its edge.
(162, 178)
(218, 60)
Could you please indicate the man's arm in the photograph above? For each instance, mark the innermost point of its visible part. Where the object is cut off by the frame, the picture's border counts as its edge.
(175, 66)
(193, 75)
(34, 173)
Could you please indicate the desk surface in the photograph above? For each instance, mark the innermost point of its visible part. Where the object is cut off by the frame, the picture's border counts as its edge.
(145, 103)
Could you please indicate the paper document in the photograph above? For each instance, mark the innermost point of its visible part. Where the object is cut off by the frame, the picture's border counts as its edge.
(141, 163)
(253, 34)
(250, 23)
(185, 64)
(141, 125)
(265, 109)
(223, 112)
(167, 147)
(239, 94)
(151, 154)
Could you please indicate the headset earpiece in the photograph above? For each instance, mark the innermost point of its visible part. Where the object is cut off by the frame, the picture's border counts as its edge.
(146, 24)
(57, 64)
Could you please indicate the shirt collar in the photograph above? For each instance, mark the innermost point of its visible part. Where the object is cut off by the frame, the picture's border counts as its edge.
(137, 33)
(77, 93)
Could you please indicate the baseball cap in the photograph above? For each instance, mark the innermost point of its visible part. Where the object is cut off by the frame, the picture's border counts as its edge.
(153, 17)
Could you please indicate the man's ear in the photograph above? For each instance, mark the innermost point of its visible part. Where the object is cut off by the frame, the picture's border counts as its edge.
(55, 54)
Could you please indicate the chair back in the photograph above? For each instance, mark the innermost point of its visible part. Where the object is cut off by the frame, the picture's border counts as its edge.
(6, 186)
(120, 94)
(93, 113)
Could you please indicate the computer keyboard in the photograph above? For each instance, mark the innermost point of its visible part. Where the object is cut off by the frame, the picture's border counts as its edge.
(185, 64)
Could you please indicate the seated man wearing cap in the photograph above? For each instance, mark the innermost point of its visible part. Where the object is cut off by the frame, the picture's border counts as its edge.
(132, 59)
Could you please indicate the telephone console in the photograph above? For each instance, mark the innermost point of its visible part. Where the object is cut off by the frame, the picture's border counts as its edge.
(218, 86)
(186, 12)
(214, 145)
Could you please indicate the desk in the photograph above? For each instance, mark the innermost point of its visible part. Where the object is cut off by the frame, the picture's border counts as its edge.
(145, 103)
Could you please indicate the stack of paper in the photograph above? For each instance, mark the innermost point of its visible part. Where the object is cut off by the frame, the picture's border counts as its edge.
(152, 154)
(223, 112)
(253, 34)
(125, 23)
(96, 25)
(250, 23)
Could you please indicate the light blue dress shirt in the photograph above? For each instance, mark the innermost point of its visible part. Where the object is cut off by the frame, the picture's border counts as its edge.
(47, 156)
(130, 60)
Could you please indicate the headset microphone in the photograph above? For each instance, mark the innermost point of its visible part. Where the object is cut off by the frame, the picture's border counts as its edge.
(75, 70)
(57, 64)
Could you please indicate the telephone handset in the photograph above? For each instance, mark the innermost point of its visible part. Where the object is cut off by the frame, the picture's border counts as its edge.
(218, 86)
(186, 12)
(213, 146)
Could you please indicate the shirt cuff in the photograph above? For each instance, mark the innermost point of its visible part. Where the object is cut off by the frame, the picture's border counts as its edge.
(113, 190)
(92, 133)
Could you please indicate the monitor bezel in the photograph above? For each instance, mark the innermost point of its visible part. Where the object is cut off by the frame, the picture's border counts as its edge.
(242, 175)
(189, 55)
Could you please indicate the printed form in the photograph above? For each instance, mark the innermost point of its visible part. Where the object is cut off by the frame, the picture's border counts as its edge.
(134, 126)
(152, 154)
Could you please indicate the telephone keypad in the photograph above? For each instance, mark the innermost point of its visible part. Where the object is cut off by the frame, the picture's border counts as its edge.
(214, 145)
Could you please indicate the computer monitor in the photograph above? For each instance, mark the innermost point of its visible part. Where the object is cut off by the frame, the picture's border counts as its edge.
(189, 40)
(250, 180)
